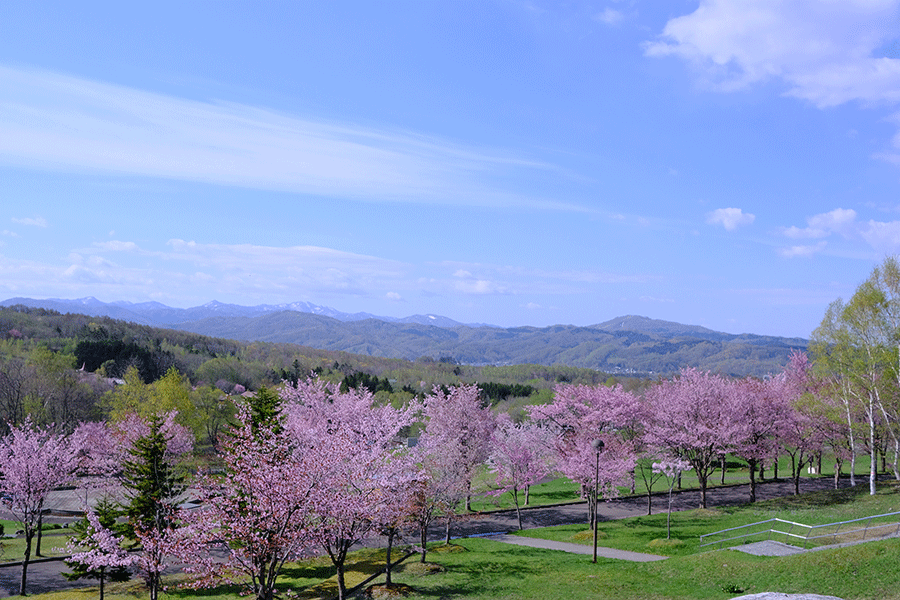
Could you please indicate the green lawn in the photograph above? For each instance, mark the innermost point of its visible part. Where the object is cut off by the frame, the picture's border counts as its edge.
(562, 490)
(479, 569)
(643, 534)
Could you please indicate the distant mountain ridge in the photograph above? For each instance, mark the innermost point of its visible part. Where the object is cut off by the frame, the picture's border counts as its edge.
(629, 344)
(160, 315)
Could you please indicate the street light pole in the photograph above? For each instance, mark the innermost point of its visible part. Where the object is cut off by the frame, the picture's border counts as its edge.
(597, 445)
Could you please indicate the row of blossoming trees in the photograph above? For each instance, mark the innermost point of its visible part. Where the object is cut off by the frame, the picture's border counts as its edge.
(310, 469)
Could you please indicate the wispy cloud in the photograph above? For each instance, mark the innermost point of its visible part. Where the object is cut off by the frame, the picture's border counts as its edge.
(802, 251)
(730, 218)
(610, 16)
(31, 221)
(187, 271)
(54, 121)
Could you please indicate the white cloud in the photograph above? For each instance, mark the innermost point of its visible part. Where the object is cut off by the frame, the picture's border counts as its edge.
(802, 251)
(53, 121)
(730, 218)
(826, 51)
(881, 236)
(839, 220)
(610, 16)
(654, 299)
(394, 297)
(34, 221)
(117, 246)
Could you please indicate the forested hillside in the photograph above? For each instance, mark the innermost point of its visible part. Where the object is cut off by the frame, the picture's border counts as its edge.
(630, 345)
(660, 350)
(63, 368)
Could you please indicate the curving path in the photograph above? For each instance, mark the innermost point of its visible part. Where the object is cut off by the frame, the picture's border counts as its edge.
(46, 576)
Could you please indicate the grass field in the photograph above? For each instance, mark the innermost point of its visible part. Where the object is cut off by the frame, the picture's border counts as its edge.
(479, 569)
(563, 490)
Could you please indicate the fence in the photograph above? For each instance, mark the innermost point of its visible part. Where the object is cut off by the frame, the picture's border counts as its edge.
(854, 530)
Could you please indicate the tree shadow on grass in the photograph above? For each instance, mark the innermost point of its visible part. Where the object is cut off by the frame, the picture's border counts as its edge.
(204, 592)
(558, 496)
(821, 499)
(476, 577)
(303, 571)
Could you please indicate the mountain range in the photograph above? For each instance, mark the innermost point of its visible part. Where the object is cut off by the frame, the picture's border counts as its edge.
(626, 345)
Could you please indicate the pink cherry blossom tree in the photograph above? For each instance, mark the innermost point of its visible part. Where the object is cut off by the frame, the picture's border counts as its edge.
(355, 488)
(762, 413)
(519, 457)
(33, 461)
(671, 469)
(442, 487)
(807, 429)
(581, 415)
(457, 420)
(255, 516)
(99, 553)
(395, 505)
(693, 421)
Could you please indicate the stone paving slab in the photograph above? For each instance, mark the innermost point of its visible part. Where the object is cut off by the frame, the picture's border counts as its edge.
(576, 548)
(769, 548)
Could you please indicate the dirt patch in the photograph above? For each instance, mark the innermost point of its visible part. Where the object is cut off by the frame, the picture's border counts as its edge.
(384, 591)
(418, 568)
(588, 535)
(448, 549)
(665, 543)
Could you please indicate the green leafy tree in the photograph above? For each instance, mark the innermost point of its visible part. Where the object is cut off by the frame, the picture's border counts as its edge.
(170, 393)
(152, 481)
(265, 410)
(856, 346)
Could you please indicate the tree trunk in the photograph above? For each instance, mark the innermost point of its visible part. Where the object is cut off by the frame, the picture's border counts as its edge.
(527, 494)
(342, 584)
(387, 569)
(838, 465)
(722, 463)
(40, 532)
(896, 459)
(515, 492)
(29, 535)
(796, 466)
(447, 534)
(669, 516)
(423, 540)
(873, 453)
(752, 462)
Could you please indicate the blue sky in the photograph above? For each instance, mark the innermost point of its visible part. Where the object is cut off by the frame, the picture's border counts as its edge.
(722, 163)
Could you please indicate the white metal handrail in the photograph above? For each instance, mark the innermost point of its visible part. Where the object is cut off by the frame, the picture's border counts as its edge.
(810, 529)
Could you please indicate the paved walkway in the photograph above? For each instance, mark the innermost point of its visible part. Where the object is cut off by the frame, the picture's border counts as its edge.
(575, 548)
(45, 577)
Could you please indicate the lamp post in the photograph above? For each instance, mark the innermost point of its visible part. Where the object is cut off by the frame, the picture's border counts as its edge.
(597, 445)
